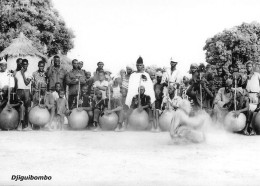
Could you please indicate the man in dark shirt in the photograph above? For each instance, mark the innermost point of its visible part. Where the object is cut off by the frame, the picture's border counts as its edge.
(56, 74)
(73, 79)
(145, 102)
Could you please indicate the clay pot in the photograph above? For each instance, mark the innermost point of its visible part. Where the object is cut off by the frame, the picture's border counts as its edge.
(138, 120)
(39, 116)
(9, 119)
(108, 121)
(78, 119)
(234, 124)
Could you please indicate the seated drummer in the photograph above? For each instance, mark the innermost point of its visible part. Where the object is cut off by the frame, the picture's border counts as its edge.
(15, 103)
(86, 102)
(145, 101)
(117, 107)
(172, 101)
(46, 101)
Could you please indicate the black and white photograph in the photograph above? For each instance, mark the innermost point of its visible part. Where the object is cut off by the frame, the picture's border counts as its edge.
(130, 92)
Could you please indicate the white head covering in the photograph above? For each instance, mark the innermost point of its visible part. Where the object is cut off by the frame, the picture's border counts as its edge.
(131, 66)
(3, 61)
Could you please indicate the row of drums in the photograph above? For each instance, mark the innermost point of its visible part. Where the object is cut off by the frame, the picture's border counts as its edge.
(78, 120)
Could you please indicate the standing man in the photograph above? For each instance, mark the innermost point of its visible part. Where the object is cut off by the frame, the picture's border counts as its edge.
(172, 75)
(4, 76)
(134, 83)
(129, 71)
(24, 79)
(100, 65)
(56, 74)
(18, 65)
(39, 77)
(73, 79)
(253, 89)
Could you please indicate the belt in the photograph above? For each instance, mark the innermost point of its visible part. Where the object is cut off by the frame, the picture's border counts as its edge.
(253, 92)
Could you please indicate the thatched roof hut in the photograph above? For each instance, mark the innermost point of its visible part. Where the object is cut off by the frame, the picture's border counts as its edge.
(22, 47)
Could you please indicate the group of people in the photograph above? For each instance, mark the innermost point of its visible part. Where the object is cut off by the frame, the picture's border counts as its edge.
(213, 90)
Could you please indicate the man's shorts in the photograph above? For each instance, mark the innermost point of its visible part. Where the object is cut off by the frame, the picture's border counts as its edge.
(25, 96)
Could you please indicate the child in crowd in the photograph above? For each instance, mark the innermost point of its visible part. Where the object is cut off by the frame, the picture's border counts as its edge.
(98, 104)
(156, 107)
(116, 89)
(86, 103)
(101, 84)
(61, 110)
(57, 89)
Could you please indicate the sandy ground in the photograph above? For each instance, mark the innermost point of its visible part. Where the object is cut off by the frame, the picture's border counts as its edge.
(128, 158)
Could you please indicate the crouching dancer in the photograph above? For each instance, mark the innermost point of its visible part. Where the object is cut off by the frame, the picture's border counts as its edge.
(186, 129)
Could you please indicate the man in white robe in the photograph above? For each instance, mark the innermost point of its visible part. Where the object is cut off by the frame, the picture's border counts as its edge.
(134, 81)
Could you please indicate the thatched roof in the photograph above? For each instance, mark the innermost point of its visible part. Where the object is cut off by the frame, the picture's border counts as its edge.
(66, 63)
(21, 46)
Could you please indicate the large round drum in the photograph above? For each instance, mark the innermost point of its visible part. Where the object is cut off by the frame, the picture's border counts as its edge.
(138, 120)
(78, 119)
(235, 124)
(256, 123)
(9, 119)
(165, 120)
(39, 116)
(108, 121)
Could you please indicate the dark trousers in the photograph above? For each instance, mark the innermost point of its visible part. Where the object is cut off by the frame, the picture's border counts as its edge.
(25, 96)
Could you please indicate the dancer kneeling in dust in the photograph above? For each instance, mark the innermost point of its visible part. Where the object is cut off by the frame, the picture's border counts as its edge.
(186, 128)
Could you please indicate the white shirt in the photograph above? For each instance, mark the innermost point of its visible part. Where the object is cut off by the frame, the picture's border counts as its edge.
(253, 83)
(20, 81)
(102, 84)
(4, 80)
(172, 77)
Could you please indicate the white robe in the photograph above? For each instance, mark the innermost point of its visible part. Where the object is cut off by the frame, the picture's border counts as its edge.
(133, 87)
(4, 80)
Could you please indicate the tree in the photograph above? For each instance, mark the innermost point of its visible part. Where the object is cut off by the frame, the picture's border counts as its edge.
(236, 45)
(39, 21)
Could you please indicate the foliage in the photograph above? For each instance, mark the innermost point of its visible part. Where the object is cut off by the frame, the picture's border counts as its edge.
(236, 45)
(39, 21)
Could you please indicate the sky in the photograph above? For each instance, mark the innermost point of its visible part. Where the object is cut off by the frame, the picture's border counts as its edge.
(117, 32)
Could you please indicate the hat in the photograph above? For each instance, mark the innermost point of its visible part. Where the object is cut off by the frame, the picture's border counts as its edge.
(194, 65)
(130, 66)
(228, 82)
(3, 61)
(249, 62)
(100, 62)
(107, 70)
(140, 60)
(173, 61)
(159, 73)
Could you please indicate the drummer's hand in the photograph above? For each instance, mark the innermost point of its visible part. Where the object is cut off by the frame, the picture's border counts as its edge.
(108, 112)
(80, 101)
(9, 107)
(236, 113)
(140, 108)
(80, 109)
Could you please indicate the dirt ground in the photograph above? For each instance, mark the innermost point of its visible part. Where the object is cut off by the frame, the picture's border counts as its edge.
(128, 158)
